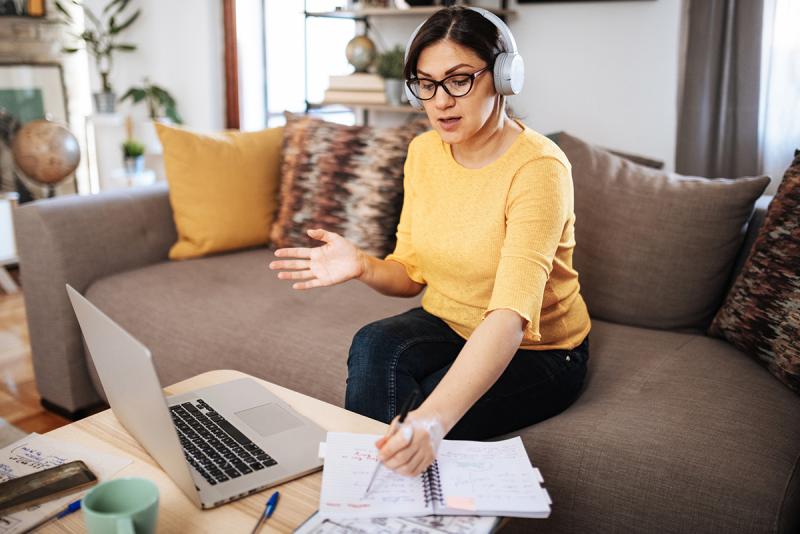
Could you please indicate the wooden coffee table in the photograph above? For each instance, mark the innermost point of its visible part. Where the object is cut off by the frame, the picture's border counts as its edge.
(176, 513)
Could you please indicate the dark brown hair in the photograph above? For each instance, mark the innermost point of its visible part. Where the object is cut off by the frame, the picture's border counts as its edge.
(461, 25)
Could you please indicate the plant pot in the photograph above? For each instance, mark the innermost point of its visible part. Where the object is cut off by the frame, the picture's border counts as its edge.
(395, 91)
(105, 101)
(134, 165)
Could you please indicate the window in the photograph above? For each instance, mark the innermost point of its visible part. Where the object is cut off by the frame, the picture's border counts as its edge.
(276, 68)
(780, 88)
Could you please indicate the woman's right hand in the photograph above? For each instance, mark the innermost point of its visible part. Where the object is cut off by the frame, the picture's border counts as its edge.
(337, 261)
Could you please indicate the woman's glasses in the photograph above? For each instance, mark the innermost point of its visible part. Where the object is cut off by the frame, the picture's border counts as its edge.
(456, 85)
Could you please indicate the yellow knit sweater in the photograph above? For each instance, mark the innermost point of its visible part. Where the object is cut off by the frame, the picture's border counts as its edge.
(496, 237)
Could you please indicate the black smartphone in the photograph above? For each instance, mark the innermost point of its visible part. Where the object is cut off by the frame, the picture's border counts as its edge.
(22, 492)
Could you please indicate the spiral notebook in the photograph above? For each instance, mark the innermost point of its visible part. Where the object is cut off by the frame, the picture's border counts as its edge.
(468, 478)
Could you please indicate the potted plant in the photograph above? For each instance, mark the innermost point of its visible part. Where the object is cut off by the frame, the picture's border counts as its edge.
(100, 41)
(159, 102)
(133, 152)
(390, 68)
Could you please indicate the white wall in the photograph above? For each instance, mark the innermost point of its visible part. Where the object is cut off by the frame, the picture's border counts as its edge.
(180, 47)
(604, 71)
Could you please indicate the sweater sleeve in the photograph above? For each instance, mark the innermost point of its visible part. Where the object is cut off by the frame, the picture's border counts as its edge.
(537, 208)
(404, 250)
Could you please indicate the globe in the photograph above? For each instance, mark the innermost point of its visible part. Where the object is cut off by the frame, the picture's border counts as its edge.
(46, 151)
(360, 52)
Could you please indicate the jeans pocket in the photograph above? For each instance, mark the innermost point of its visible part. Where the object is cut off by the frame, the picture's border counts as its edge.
(577, 357)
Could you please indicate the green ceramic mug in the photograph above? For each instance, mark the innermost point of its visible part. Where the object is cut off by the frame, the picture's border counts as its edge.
(121, 506)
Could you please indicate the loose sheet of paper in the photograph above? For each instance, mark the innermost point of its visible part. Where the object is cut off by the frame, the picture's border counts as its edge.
(350, 460)
(494, 477)
(36, 452)
(399, 525)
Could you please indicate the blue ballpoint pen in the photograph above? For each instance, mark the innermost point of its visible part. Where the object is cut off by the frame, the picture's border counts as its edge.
(72, 507)
(272, 503)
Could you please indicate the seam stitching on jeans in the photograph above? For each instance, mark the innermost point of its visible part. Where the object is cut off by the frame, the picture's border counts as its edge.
(393, 374)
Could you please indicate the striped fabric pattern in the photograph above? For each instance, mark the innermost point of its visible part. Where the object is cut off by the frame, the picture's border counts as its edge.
(344, 179)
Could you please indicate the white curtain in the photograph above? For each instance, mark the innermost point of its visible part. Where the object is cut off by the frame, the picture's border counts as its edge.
(779, 124)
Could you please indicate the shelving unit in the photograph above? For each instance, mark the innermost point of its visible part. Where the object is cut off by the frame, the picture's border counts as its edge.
(337, 107)
(363, 15)
(425, 11)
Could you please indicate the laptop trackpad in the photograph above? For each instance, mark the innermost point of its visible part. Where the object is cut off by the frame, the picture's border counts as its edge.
(269, 419)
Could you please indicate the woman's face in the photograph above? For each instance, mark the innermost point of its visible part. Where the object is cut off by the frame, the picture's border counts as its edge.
(456, 119)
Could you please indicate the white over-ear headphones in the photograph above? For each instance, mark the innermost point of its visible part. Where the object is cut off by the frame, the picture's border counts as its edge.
(509, 69)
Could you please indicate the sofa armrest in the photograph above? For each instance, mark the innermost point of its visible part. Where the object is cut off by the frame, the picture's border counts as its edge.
(77, 240)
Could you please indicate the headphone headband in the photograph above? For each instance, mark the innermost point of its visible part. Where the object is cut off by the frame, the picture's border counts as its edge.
(509, 43)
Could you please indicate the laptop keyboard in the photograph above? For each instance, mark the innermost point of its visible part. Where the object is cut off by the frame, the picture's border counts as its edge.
(213, 446)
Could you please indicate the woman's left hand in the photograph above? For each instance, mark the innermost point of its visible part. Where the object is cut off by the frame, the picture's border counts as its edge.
(409, 448)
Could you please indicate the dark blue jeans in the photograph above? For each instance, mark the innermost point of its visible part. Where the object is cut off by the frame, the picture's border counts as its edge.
(392, 357)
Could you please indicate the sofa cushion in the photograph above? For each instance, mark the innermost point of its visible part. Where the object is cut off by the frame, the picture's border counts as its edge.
(654, 249)
(673, 433)
(635, 158)
(222, 188)
(344, 179)
(193, 315)
(761, 314)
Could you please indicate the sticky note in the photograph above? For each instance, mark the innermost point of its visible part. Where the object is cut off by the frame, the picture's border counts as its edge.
(461, 503)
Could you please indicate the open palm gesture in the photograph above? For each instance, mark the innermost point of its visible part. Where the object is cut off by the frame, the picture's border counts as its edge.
(337, 261)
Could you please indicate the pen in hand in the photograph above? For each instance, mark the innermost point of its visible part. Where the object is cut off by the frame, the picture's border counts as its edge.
(403, 413)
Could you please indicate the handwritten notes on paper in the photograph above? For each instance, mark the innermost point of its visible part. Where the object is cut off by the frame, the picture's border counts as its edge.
(350, 460)
(36, 452)
(495, 476)
(468, 478)
(30, 455)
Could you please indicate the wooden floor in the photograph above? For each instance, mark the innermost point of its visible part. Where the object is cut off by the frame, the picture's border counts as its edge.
(19, 398)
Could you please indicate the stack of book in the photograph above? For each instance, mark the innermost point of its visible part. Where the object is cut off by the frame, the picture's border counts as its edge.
(356, 88)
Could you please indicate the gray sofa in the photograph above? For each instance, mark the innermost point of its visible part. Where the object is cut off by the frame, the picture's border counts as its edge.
(675, 431)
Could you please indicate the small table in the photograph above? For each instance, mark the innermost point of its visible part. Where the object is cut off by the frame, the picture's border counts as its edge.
(176, 513)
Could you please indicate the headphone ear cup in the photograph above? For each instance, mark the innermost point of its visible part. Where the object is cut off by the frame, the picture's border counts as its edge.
(516, 77)
(413, 100)
(509, 73)
(498, 72)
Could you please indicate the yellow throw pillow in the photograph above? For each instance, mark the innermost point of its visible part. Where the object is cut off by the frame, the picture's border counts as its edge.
(223, 188)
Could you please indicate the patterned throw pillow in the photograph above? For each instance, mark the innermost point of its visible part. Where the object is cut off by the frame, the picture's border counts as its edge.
(344, 179)
(761, 314)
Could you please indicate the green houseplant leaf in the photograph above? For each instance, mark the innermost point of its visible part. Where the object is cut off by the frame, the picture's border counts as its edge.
(132, 148)
(390, 63)
(159, 101)
(113, 30)
(99, 37)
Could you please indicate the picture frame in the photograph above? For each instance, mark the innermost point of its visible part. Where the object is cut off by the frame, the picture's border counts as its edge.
(23, 8)
(29, 91)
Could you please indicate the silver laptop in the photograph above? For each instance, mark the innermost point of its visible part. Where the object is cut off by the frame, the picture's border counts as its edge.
(217, 443)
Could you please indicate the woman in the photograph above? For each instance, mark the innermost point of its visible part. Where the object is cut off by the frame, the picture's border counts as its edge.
(487, 226)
